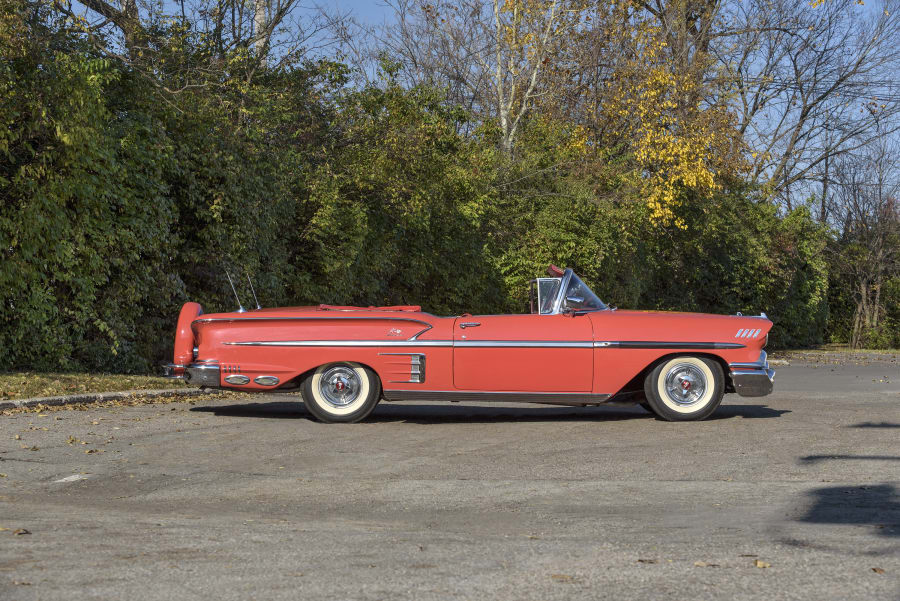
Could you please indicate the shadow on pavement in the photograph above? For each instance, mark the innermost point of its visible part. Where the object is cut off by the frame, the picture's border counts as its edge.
(876, 505)
(747, 412)
(454, 413)
(874, 425)
(817, 458)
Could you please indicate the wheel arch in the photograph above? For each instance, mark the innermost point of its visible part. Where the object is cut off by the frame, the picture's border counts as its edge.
(637, 382)
(300, 378)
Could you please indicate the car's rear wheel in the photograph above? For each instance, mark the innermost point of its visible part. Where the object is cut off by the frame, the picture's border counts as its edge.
(685, 388)
(341, 392)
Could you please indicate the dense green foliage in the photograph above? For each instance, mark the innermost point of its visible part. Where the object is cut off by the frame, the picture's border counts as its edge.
(120, 202)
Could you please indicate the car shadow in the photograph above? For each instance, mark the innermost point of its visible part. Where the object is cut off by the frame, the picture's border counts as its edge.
(877, 505)
(455, 413)
(746, 412)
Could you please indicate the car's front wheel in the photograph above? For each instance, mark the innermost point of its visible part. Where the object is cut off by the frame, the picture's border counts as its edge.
(685, 388)
(341, 392)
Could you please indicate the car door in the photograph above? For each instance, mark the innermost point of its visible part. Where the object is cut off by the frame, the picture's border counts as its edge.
(523, 353)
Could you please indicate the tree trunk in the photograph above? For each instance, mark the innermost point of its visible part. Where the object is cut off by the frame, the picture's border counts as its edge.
(260, 24)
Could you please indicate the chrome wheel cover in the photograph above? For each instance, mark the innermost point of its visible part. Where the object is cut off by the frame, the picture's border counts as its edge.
(685, 384)
(339, 386)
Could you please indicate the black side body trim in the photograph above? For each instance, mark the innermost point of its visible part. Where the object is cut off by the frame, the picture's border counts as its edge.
(672, 345)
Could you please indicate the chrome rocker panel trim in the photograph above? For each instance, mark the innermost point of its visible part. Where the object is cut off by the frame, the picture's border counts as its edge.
(753, 379)
(549, 398)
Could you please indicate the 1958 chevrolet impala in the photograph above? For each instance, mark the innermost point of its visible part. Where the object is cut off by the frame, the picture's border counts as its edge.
(571, 349)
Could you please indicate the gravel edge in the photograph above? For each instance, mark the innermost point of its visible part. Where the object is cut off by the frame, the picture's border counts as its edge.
(93, 397)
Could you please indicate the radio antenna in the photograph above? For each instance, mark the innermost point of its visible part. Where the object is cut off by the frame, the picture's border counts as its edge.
(240, 308)
(256, 300)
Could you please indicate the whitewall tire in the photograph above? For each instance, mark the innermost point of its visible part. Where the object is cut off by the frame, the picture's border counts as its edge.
(341, 392)
(685, 388)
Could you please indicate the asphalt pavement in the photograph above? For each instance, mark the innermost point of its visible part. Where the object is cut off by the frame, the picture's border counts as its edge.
(791, 496)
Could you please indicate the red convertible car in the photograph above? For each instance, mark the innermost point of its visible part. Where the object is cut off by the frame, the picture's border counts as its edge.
(571, 349)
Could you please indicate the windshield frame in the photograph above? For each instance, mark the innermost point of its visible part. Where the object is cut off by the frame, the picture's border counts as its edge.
(559, 304)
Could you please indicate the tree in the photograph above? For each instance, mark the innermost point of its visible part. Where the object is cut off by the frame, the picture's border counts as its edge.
(810, 82)
(217, 42)
(866, 210)
(492, 55)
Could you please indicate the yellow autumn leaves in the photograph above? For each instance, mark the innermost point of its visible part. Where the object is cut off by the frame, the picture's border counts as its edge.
(681, 143)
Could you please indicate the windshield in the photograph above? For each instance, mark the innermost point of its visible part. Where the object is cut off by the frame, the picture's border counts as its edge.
(580, 298)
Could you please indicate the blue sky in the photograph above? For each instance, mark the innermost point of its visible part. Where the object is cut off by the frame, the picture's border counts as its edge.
(371, 11)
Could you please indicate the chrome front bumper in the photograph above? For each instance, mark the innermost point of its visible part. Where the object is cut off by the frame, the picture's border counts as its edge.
(202, 374)
(753, 379)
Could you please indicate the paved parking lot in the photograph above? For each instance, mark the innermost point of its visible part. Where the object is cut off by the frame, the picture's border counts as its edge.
(793, 496)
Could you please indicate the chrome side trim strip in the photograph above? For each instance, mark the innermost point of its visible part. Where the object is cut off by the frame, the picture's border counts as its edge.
(427, 325)
(636, 344)
(312, 318)
(647, 344)
(525, 343)
(367, 343)
(550, 398)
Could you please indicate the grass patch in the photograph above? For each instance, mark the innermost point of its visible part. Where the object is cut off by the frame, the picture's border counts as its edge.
(26, 385)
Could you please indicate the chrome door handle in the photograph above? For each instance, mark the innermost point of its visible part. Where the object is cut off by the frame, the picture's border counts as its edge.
(469, 324)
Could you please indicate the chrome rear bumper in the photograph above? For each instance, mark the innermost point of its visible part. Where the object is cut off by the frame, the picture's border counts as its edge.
(753, 379)
(202, 374)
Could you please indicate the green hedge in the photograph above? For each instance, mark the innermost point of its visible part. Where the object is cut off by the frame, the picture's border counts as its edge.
(118, 207)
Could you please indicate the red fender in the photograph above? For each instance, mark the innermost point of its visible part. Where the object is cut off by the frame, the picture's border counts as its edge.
(184, 337)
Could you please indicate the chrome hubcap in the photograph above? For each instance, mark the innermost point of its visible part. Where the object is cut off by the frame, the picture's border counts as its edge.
(685, 384)
(339, 386)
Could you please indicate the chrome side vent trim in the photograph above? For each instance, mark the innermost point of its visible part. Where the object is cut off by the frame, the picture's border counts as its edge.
(266, 380)
(747, 333)
(237, 379)
(414, 368)
(417, 368)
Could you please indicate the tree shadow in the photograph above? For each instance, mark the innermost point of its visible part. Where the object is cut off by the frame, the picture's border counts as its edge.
(876, 505)
(440, 413)
(818, 458)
